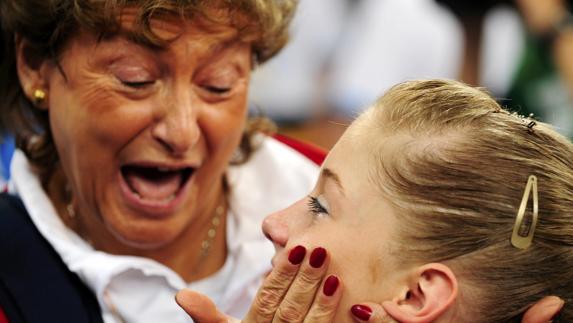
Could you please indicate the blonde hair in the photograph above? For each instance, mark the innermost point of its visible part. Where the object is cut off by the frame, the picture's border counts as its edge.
(457, 181)
(47, 25)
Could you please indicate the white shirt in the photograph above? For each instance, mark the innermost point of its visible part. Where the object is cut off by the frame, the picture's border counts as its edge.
(143, 290)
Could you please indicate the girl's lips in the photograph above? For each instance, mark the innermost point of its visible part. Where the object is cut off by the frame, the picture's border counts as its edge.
(155, 208)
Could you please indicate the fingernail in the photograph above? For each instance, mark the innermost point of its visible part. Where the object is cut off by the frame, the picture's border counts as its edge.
(296, 255)
(330, 285)
(362, 312)
(317, 257)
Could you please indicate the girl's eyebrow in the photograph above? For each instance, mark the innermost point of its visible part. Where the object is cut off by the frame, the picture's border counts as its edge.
(327, 173)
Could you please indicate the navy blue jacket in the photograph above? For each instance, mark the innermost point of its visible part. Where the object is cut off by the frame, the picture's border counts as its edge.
(35, 284)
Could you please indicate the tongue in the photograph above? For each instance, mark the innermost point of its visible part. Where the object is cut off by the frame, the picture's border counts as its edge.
(156, 188)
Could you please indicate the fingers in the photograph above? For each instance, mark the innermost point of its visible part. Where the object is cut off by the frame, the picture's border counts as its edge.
(301, 293)
(275, 286)
(370, 312)
(295, 291)
(326, 301)
(199, 307)
(544, 310)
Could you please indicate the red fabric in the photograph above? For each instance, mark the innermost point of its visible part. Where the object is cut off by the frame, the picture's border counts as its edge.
(312, 152)
(3, 318)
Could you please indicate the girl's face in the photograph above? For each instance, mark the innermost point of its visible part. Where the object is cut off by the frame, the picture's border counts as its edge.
(346, 214)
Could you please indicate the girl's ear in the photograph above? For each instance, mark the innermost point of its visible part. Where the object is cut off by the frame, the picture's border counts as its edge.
(32, 72)
(433, 290)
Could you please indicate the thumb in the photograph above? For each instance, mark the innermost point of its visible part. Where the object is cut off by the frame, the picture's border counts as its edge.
(370, 312)
(200, 307)
(545, 310)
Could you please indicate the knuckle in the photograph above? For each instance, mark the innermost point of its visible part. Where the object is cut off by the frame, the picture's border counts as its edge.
(325, 304)
(281, 276)
(266, 302)
(304, 287)
(319, 317)
(322, 311)
(289, 312)
(308, 278)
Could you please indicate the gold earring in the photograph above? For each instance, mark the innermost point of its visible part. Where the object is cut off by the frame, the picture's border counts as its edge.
(39, 95)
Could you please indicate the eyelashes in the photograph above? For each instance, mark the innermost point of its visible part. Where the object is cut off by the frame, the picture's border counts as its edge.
(137, 85)
(315, 207)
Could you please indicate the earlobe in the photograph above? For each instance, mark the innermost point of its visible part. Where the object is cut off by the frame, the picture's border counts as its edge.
(32, 73)
(432, 290)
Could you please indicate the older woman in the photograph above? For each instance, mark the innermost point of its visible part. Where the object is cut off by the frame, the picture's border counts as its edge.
(127, 115)
(459, 212)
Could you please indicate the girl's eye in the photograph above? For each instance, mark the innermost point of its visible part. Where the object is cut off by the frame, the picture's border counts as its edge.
(316, 207)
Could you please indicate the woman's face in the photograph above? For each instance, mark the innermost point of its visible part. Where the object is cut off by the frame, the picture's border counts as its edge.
(345, 214)
(144, 135)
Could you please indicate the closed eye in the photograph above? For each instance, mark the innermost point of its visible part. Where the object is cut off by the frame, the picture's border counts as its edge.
(315, 207)
(216, 89)
(137, 85)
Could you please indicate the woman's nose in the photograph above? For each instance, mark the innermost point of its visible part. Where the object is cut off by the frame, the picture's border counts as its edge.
(275, 228)
(177, 128)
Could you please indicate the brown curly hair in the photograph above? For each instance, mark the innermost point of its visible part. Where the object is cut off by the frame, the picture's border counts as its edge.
(48, 24)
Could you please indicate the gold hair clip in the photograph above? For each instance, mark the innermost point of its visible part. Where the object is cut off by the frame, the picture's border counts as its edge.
(524, 228)
(531, 123)
(528, 121)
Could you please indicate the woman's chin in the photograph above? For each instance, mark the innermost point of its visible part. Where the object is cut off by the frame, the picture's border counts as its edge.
(146, 236)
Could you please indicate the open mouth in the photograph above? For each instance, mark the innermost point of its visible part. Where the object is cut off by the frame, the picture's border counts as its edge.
(155, 184)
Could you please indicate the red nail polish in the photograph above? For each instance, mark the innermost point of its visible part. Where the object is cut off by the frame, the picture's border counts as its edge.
(330, 285)
(296, 255)
(362, 312)
(317, 257)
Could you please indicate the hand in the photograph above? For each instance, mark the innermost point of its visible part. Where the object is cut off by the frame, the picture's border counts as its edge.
(201, 308)
(544, 310)
(294, 291)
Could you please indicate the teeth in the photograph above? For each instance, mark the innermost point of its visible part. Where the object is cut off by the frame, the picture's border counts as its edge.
(168, 199)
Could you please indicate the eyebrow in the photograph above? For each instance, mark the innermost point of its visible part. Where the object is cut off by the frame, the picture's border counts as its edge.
(135, 38)
(329, 174)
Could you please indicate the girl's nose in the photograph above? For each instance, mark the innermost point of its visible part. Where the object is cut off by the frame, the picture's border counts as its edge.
(275, 228)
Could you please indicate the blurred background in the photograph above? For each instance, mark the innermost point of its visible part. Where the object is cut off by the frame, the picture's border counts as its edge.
(343, 54)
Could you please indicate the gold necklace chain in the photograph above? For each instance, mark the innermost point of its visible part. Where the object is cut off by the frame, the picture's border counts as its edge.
(207, 242)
